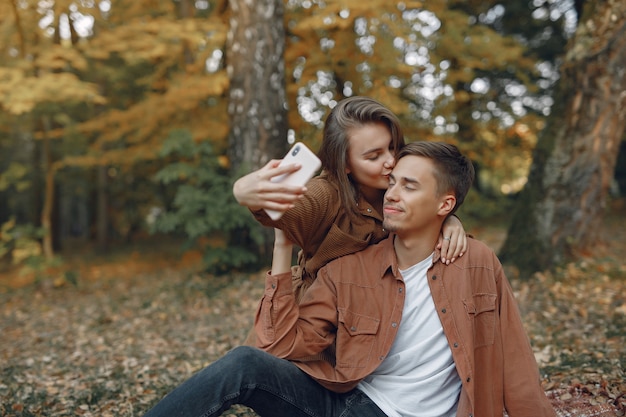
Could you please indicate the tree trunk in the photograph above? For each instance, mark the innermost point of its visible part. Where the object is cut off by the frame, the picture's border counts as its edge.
(102, 218)
(255, 63)
(46, 211)
(257, 105)
(562, 205)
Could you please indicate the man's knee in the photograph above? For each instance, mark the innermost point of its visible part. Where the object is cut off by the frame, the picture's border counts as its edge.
(250, 358)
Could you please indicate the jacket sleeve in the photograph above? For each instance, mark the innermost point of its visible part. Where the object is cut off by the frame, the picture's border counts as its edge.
(523, 393)
(311, 217)
(291, 331)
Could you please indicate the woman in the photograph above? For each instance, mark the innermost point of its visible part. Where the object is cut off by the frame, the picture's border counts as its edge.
(340, 211)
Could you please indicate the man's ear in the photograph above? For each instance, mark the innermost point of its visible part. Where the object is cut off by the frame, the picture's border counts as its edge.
(447, 204)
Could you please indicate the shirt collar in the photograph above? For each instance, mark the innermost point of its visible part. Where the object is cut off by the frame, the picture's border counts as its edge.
(389, 259)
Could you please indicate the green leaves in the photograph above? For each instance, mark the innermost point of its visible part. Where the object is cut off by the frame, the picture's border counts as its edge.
(20, 244)
(14, 176)
(203, 208)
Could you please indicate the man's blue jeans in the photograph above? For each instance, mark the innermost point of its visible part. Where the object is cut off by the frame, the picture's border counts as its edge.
(269, 385)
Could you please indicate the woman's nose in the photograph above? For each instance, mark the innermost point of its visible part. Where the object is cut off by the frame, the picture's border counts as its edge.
(390, 161)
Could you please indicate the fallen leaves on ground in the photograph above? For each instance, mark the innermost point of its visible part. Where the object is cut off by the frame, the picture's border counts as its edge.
(577, 324)
(113, 345)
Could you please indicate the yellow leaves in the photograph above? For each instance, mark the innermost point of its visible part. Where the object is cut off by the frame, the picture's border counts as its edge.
(16, 242)
(21, 92)
(143, 40)
(476, 46)
(139, 123)
(10, 78)
(462, 96)
(124, 156)
(24, 250)
(327, 21)
(24, 93)
(340, 15)
(201, 86)
(137, 132)
(60, 58)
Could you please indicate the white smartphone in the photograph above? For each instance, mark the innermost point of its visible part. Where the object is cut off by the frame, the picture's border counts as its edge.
(310, 164)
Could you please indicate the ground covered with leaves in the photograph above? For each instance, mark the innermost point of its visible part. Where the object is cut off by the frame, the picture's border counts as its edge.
(119, 335)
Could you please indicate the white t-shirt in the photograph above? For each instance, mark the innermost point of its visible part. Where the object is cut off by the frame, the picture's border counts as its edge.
(418, 377)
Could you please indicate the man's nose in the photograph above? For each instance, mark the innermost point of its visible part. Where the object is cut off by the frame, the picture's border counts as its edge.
(390, 194)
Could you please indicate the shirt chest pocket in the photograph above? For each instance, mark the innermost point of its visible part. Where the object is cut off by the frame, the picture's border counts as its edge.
(481, 310)
(356, 337)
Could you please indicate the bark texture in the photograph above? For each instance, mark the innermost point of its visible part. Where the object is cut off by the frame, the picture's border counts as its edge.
(560, 209)
(255, 64)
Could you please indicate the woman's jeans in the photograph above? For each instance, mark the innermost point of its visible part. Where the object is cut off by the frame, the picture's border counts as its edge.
(271, 386)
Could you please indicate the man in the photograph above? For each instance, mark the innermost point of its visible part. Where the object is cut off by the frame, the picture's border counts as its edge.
(388, 331)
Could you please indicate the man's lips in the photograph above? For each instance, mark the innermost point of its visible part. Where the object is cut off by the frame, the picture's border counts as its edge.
(391, 209)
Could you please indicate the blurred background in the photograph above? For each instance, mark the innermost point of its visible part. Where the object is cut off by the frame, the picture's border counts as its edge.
(126, 122)
(126, 263)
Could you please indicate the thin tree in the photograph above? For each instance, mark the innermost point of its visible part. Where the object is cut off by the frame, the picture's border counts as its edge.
(255, 64)
(257, 106)
(561, 207)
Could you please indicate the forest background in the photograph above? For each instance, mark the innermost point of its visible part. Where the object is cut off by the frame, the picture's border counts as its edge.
(124, 124)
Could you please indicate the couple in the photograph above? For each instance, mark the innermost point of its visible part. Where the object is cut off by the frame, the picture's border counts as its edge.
(387, 331)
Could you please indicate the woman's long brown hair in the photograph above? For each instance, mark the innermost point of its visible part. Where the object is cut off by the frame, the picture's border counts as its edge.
(350, 113)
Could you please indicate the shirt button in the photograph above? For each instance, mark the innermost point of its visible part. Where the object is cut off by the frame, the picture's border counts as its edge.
(369, 210)
(394, 324)
(456, 345)
(353, 329)
(384, 229)
(399, 289)
(273, 285)
(443, 310)
(434, 277)
(468, 379)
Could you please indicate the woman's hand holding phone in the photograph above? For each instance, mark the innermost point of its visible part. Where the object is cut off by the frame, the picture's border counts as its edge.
(280, 183)
(309, 165)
